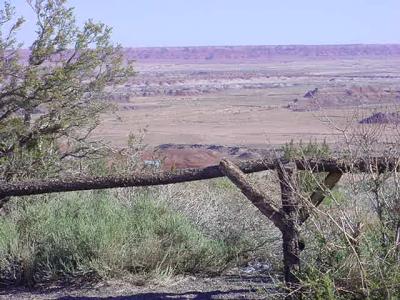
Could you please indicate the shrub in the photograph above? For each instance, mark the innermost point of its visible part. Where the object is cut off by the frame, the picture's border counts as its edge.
(352, 249)
(94, 233)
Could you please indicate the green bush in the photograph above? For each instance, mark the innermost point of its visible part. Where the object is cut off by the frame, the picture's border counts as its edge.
(363, 268)
(94, 233)
(312, 149)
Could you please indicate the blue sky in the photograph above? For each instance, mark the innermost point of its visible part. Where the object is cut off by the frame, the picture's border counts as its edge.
(238, 22)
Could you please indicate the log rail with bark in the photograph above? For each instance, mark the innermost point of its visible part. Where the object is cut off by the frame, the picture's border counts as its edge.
(379, 164)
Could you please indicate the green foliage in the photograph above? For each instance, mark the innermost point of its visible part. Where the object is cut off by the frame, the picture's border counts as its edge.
(334, 271)
(312, 149)
(51, 97)
(94, 233)
(223, 184)
(335, 197)
(318, 286)
(351, 244)
(307, 180)
(351, 250)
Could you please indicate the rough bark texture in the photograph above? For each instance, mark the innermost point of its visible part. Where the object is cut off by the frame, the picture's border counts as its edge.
(168, 177)
(285, 219)
(258, 198)
(290, 233)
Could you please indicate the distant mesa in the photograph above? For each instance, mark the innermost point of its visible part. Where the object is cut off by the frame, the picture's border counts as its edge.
(260, 53)
(214, 54)
(382, 118)
(128, 107)
(311, 94)
(339, 97)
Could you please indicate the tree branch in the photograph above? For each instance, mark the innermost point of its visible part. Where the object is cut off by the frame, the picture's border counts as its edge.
(258, 198)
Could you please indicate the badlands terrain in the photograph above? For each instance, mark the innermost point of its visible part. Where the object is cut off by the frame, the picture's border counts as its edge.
(198, 104)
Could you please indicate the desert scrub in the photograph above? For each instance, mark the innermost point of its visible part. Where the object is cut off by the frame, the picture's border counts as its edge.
(345, 257)
(352, 238)
(222, 212)
(96, 233)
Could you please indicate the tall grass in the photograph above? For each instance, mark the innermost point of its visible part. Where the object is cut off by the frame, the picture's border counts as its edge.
(98, 234)
(353, 238)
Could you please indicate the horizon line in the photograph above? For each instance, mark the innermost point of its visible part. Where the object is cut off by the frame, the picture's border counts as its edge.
(265, 45)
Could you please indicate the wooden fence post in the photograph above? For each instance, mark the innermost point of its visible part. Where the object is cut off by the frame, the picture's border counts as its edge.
(286, 219)
(290, 232)
(289, 217)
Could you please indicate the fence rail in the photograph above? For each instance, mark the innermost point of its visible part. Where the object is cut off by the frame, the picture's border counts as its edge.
(378, 164)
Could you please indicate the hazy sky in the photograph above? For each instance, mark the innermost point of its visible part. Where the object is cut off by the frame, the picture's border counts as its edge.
(238, 22)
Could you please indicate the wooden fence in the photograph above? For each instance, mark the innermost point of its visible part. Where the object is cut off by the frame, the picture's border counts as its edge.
(380, 164)
(288, 218)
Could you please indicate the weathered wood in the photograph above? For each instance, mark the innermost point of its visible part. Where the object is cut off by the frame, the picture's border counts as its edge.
(105, 182)
(290, 233)
(285, 219)
(320, 193)
(257, 197)
(359, 165)
(177, 176)
(289, 196)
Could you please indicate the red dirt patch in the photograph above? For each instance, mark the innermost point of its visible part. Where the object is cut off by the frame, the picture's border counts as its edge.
(173, 156)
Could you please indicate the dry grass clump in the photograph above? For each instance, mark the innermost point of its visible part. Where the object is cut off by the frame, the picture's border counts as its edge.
(96, 234)
(220, 210)
(353, 239)
(352, 253)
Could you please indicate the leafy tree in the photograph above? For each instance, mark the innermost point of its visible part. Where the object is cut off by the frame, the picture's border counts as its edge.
(53, 93)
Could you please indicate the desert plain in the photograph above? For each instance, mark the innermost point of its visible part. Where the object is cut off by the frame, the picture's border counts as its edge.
(197, 108)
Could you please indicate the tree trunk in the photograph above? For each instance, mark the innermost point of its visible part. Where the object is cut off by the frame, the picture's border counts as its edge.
(291, 256)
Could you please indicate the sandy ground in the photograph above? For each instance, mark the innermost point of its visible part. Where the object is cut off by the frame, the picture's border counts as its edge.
(219, 119)
(245, 116)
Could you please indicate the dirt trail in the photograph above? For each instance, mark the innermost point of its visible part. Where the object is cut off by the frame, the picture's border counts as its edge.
(244, 286)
